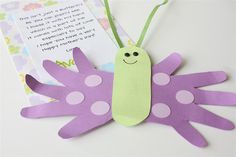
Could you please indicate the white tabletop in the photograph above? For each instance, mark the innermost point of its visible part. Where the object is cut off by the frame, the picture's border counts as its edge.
(203, 31)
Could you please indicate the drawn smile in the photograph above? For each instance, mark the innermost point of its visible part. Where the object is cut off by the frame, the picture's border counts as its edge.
(130, 63)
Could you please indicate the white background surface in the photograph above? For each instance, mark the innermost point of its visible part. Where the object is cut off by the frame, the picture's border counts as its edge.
(203, 31)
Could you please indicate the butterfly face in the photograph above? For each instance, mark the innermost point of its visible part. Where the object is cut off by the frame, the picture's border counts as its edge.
(132, 57)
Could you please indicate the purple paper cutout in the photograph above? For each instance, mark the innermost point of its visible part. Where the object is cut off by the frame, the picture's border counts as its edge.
(189, 109)
(73, 81)
(170, 106)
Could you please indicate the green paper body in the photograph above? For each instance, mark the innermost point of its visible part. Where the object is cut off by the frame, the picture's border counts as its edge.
(131, 100)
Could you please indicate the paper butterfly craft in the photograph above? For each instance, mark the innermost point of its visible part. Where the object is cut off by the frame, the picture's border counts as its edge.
(137, 92)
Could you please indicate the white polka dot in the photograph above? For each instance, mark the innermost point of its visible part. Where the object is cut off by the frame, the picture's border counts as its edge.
(161, 110)
(75, 98)
(100, 108)
(93, 80)
(184, 97)
(161, 79)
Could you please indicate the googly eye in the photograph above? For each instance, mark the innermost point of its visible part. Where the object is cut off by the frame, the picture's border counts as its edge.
(135, 53)
(127, 55)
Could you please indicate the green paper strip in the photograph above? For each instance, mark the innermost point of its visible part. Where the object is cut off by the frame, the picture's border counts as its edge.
(113, 27)
(131, 100)
(149, 20)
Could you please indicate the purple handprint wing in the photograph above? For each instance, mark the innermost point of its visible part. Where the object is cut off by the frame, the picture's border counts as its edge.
(176, 100)
(85, 95)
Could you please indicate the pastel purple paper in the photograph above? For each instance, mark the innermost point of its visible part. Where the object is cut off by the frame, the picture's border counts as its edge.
(181, 113)
(175, 98)
(73, 81)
